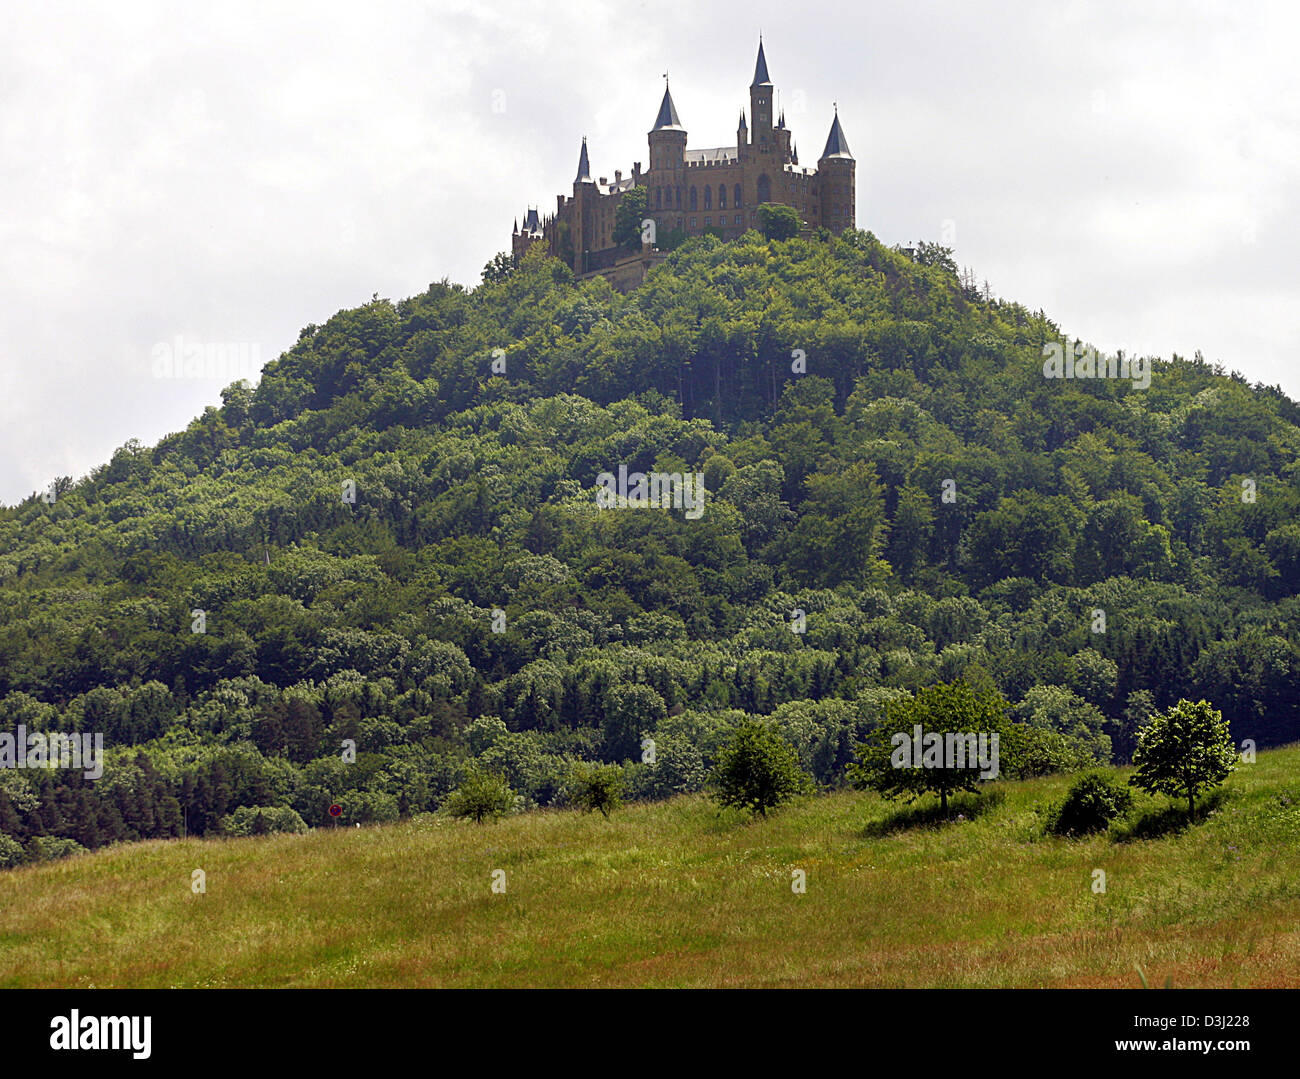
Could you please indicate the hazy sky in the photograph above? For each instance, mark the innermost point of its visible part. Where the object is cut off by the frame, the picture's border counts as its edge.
(228, 174)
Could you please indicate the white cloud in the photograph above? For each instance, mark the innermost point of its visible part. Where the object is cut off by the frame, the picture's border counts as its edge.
(232, 174)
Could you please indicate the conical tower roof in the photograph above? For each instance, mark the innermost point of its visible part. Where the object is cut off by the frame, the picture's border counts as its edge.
(836, 144)
(760, 69)
(667, 117)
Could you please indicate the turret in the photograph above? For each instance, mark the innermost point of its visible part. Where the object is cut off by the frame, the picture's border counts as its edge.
(837, 170)
(667, 137)
(584, 204)
(584, 166)
(760, 101)
(782, 137)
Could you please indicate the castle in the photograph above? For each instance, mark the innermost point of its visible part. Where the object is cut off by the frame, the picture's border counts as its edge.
(693, 192)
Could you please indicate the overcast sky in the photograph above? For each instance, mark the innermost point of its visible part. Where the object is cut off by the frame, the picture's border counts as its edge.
(228, 174)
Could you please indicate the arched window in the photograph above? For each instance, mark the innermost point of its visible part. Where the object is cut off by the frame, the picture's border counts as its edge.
(722, 196)
(764, 189)
(708, 198)
(659, 198)
(679, 198)
(738, 201)
(695, 202)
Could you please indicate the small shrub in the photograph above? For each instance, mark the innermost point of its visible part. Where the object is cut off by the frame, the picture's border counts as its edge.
(596, 787)
(46, 848)
(1092, 802)
(481, 796)
(262, 820)
(11, 851)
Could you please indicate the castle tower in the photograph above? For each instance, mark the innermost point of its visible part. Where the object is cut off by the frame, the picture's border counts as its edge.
(837, 171)
(584, 166)
(584, 206)
(782, 136)
(667, 138)
(760, 105)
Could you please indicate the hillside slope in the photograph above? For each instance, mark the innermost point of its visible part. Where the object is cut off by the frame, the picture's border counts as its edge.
(394, 541)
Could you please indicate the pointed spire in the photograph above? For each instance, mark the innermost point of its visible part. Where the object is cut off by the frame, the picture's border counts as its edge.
(584, 166)
(760, 68)
(742, 120)
(516, 232)
(836, 144)
(794, 152)
(667, 117)
(781, 122)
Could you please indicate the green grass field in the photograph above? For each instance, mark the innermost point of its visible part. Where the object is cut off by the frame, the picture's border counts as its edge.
(674, 894)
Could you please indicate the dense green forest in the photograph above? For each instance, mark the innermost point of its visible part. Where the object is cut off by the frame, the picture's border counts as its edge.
(394, 539)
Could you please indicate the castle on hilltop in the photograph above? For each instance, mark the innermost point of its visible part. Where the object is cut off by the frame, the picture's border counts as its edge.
(694, 192)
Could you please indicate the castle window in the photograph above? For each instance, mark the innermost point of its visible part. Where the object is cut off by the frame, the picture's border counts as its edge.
(693, 220)
(708, 198)
(659, 197)
(708, 222)
(764, 189)
(695, 202)
(679, 198)
(738, 201)
(722, 196)
(738, 219)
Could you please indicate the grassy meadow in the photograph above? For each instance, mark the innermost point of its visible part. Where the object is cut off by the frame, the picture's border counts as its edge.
(677, 894)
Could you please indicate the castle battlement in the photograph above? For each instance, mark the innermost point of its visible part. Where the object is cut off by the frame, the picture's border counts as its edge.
(691, 192)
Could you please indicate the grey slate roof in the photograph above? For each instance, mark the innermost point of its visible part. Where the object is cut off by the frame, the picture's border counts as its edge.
(711, 156)
(667, 117)
(836, 144)
(625, 184)
(760, 69)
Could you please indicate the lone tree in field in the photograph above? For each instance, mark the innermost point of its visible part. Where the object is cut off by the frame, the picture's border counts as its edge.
(758, 770)
(481, 795)
(946, 756)
(597, 787)
(1183, 752)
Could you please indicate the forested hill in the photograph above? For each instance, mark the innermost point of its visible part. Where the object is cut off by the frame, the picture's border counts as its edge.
(897, 495)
